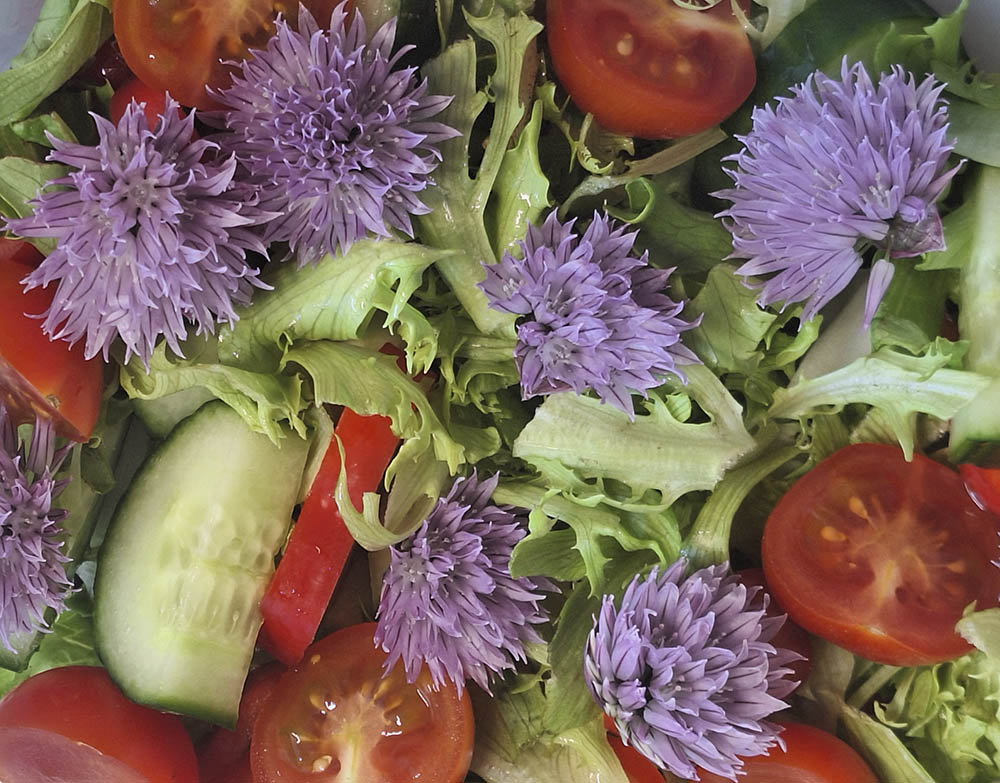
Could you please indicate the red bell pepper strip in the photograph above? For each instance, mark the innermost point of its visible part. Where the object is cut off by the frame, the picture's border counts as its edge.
(317, 550)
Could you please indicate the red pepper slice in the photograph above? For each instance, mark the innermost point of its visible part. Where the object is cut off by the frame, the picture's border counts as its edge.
(320, 543)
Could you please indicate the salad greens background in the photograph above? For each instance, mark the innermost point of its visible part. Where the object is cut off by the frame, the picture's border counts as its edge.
(701, 464)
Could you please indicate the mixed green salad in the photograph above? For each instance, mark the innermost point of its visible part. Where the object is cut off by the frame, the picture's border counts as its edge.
(584, 367)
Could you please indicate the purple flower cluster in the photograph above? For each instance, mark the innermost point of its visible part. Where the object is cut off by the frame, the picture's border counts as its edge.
(449, 600)
(685, 668)
(838, 167)
(338, 142)
(593, 316)
(32, 565)
(152, 233)
(325, 142)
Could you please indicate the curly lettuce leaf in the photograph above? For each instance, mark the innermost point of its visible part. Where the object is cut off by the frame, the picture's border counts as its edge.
(513, 744)
(656, 450)
(336, 299)
(264, 400)
(370, 383)
(902, 386)
(459, 200)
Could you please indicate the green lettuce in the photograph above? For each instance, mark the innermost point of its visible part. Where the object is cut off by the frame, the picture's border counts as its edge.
(264, 400)
(369, 383)
(513, 744)
(459, 201)
(655, 450)
(336, 299)
(902, 386)
(67, 34)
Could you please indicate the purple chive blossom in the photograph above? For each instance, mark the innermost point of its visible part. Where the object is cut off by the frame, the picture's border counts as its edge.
(448, 599)
(151, 234)
(593, 315)
(32, 565)
(685, 668)
(837, 168)
(337, 141)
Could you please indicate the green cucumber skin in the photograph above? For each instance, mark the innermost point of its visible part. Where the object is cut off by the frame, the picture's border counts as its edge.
(186, 560)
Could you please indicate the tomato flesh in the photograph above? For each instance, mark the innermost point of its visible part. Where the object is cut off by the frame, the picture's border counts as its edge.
(83, 705)
(881, 555)
(650, 68)
(182, 46)
(334, 718)
(39, 376)
(810, 756)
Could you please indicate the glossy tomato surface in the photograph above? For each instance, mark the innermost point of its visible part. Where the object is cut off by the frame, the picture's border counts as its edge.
(40, 376)
(334, 718)
(791, 636)
(183, 45)
(881, 555)
(82, 704)
(810, 756)
(650, 68)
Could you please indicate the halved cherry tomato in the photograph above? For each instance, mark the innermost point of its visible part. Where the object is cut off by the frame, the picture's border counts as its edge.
(810, 756)
(983, 484)
(39, 376)
(154, 101)
(320, 543)
(790, 636)
(183, 45)
(82, 704)
(638, 769)
(881, 555)
(335, 718)
(649, 67)
(224, 756)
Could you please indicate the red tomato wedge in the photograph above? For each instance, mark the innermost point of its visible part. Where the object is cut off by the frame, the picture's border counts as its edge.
(334, 718)
(881, 555)
(182, 46)
(791, 636)
(153, 101)
(320, 542)
(82, 704)
(224, 756)
(810, 756)
(983, 484)
(649, 67)
(39, 376)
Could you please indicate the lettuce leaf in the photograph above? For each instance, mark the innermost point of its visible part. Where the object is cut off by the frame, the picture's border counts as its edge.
(902, 386)
(655, 451)
(336, 299)
(514, 746)
(459, 199)
(264, 400)
(66, 36)
(370, 383)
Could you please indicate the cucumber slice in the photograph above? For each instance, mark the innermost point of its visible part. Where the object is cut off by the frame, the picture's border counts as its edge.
(186, 560)
(163, 414)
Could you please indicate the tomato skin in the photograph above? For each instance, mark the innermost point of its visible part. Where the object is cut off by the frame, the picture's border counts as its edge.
(154, 100)
(40, 376)
(383, 730)
(983, 484)
(320, 543)
(649, 68)
(791, 636)
(224, 756)
(81, 703)
(182, 46)
(881, 556)
(810, 756)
